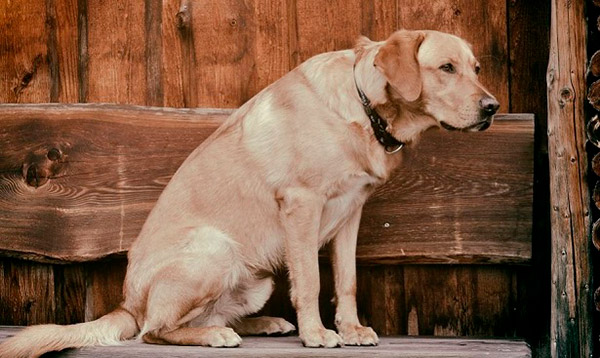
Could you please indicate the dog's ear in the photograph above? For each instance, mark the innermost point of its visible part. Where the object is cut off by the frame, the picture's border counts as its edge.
(361, 46)
(397, 60)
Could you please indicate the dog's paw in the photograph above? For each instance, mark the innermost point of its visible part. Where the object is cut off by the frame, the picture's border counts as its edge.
(321, 337)
(264, 325)
(221, 337)
(356, 335)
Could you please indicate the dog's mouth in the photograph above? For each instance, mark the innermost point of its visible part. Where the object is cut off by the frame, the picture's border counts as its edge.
(477, 127)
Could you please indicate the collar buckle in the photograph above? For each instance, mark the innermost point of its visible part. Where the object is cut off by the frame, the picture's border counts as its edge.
(393, 150)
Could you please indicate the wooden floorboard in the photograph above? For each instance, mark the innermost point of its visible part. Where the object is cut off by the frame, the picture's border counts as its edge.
(401, 347)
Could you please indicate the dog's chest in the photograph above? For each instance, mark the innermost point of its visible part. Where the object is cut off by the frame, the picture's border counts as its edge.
(349, 195)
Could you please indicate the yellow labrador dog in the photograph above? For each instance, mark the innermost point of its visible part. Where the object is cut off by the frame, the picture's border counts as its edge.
(288, 172)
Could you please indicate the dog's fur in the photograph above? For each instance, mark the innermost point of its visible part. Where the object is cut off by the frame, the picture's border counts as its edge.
(288, 172)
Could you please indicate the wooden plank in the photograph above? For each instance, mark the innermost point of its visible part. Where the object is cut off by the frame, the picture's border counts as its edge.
(24, 70)
(104, 287)
(343, 21)
(178, 81)
(69, 293)
(216, 50)
(153, 23)
(26, 292)
(444, 180)
(82, 50)
(380, 298)
(401, 347)
(460, 301)
(116, 62)
(112, 163)
(482, 23)
(571, 291)
(63, 43)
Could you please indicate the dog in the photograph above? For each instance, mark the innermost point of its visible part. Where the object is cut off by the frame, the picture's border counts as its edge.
(286, 173)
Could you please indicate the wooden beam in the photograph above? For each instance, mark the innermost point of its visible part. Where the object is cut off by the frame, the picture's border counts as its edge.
(571, 294)
(77, 182)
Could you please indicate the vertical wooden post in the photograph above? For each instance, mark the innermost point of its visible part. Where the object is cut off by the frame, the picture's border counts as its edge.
(571, 325)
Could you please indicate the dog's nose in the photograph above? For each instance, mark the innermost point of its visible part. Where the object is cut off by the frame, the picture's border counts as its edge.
(489, 105)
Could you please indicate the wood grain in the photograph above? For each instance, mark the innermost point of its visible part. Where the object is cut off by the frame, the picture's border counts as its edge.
(63, 26)
(230, 66)
(593, 95)
(113, 165)
(343, 22)
(116, 68)
(154, 47)
(571, 291)
(401, 347)
(69, 293)
(446, 205)
(26, 292)
(24, 70)
(104, 291)
(114, 161)
(460, 301)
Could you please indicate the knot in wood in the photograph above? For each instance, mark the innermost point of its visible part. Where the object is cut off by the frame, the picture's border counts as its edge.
(36, 175)
(550, 78)
(43, 164)
(54, 154)
(566, 95)
(183, 18)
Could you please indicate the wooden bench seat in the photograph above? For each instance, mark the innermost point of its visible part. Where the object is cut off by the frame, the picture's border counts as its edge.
(290, 347)
(77, 182)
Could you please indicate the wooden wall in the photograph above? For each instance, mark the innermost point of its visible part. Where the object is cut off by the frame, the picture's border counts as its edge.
(213, 53)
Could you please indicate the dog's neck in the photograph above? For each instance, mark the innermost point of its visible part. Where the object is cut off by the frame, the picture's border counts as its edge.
(405, 121)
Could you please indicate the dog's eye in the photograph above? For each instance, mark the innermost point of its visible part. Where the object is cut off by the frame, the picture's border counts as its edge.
(448, 68)
(477, 69)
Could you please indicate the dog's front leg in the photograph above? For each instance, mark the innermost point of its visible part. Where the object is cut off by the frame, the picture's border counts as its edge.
(301, 214)
(343, 257)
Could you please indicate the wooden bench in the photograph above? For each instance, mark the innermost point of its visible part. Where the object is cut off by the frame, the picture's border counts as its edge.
(397, 347)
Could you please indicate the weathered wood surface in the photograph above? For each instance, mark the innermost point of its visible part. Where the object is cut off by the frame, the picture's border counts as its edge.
(211, 53)
(77, 183)
(571, 291)
(400, 347)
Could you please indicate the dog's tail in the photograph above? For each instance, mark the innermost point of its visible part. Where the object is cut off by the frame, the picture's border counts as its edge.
(34, 341)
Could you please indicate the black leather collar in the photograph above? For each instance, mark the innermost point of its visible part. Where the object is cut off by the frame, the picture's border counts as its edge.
(379, 125)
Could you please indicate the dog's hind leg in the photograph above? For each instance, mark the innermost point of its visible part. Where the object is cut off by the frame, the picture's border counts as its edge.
(173, 304)
(199, 276)
(251, 298)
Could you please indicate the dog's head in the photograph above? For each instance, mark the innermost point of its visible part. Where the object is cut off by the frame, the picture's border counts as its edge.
(438, 71)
